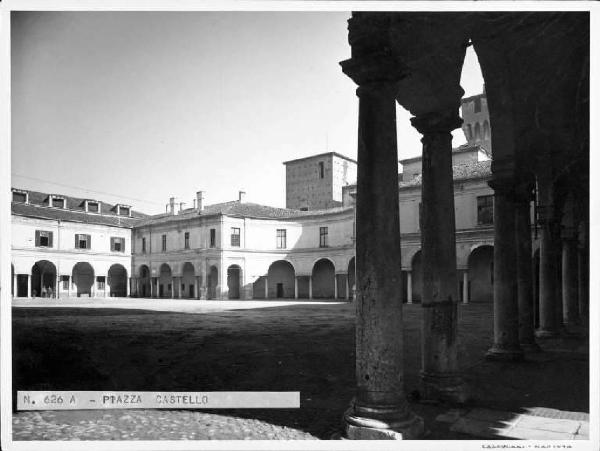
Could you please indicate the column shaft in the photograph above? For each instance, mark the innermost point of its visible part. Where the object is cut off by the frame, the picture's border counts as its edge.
(295, 287)
(28, 285)
(570, 296)
(506, 308)
(380, 405)
(266, 287)
(310, 287)
(466, 286)
(409, 289)
(439, 359)
(524, 275)
(335, 286)
(548, 283)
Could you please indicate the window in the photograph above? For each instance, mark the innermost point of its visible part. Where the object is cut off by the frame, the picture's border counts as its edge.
(164, 243)
(93, 207)
(43, 238)
(117, 244)
(213, 237)
(281, 238)
(83, 241)
(321, 169)
(485, 210)
(143, 245)
(123, 210)
(235, 236)
(19, 197)
(186, 239)
(101, 281)
(57, 202)
(323, 236)
(65, 282)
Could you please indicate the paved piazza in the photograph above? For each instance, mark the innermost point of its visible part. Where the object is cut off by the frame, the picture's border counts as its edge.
(275, 345)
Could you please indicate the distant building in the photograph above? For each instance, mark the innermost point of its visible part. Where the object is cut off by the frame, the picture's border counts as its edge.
(476, 121)
(316, 182)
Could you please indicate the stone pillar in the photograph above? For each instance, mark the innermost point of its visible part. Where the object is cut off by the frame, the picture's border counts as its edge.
(266, 287)
(409, 288)
(68, 286)
(173, 285)
(197, 287)
(105, 285)
(347, 287)
(524, 270)
(582, 265)
(335, 286)
(570, 298)
(439, 371)
(379, 409)
(506, 308)
(295, 287)
(28, 285)
(310, 287)
(465, 286)
(14, 287)
(548, 283)
(179, 290)
(128, 286)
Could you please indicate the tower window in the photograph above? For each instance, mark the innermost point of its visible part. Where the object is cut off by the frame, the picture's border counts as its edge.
(321, 169)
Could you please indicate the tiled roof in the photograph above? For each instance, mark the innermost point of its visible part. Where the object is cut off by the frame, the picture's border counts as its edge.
(74, 211)
(243, 209)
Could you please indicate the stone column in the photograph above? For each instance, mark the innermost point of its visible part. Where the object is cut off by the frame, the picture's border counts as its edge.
(347, 288)
(524, 270)
(173, 285)
(548, 283)
(295, 287)
(335, 286)
(68, 286)
(196, 287)
(14, 287)
(128, 286)
(570, 298)
(506, 308)
(466, 286)
(179, 290)
(266, 287)
(439, 371)
(409, 289)
(28, 285)
(310, 287)
(105, 285)
(379, 409)
(583, 270)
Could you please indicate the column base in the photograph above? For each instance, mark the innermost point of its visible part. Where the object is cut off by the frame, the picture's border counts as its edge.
(448, 387)
(382, 424)
(500, 353)
(531, 348)
(546, 333)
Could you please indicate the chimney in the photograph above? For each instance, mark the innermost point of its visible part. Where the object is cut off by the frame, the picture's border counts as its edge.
(199, 199)
(181, 204)
(241, 195)
(172, 205)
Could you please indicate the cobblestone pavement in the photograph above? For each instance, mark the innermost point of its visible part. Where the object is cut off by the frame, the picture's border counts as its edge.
(164, 345)
(146, 425)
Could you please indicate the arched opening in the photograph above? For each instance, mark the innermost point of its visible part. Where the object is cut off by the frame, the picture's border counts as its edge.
(352, 277)
(83, 278)
(43, 279)
(165, 282)
(144, 283)
(117, 280)
(486, 130)
(234, 273)
(323, 279)
(281, 276)
(481, 274)
(212, 282)
(188, 281)
(417, 277)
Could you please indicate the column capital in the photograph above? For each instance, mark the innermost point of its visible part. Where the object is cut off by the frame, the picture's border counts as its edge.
(504, 186)
(437, 122)
(380, 69)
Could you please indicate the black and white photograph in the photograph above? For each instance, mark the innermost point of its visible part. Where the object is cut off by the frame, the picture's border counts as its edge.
(299, 225)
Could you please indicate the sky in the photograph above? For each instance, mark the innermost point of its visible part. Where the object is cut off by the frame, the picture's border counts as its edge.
(136, 107)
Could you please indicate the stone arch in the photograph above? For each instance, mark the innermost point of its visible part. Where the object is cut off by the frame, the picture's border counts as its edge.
(352, 276)
(188, 281)
(117, 280)
(281, 279)
(416, 268)
(212, 282)
(43, 279)
(481, 274)
(144, 281)
(323, 279)
(234, 282)
(83, 277)
(165, 281)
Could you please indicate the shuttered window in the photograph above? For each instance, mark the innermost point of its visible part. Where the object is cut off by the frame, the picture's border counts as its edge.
(43, 238)
(83, 241)
(117, 244)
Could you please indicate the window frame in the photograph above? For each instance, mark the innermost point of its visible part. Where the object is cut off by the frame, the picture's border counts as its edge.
(323, 236)
(489, 206)
(281, 239)
(87, 240)
(213, 238)
(48, 234)
(163, 241)
(236, 239)
(186, 240)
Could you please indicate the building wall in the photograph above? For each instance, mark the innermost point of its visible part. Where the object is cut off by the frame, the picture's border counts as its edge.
(473, 119)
